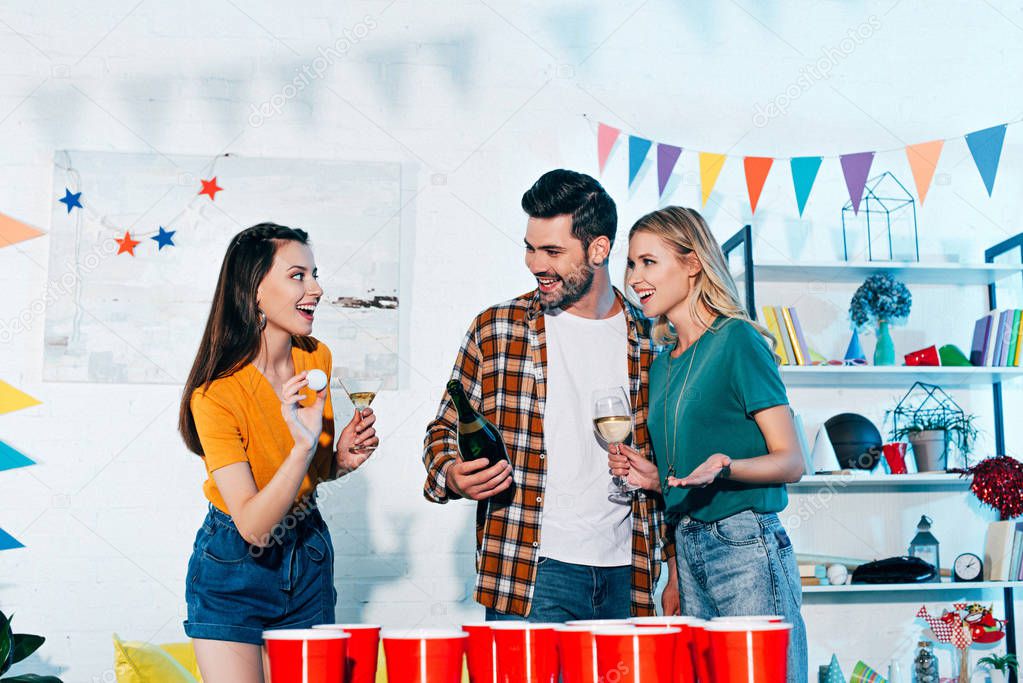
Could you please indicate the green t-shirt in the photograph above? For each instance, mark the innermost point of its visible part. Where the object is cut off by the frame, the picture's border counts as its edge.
(733, 376)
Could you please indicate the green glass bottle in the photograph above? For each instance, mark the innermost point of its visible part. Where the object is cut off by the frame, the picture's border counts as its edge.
(478, 437)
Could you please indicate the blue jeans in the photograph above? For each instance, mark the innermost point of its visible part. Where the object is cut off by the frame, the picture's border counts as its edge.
(235, 591)
(742, 565)
(566, 592)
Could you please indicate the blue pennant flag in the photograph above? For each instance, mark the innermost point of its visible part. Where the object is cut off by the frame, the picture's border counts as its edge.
(11, 459)
(986, 148)
(638, 148)
(804, 173)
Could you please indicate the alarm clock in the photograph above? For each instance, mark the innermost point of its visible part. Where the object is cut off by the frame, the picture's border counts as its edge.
(967, 567)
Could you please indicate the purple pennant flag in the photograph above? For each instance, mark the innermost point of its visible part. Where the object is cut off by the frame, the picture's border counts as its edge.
(667, 156)
(856, 168)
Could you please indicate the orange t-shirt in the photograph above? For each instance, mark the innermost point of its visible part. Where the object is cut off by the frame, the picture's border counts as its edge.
(238, 419)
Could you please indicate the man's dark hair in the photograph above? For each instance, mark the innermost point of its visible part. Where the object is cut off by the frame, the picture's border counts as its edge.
(562, 192)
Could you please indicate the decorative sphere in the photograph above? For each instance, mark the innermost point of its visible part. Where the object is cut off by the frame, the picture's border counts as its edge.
(856, 441)
(317, 379)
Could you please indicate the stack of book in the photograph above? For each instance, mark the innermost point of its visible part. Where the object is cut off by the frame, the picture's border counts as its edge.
(783, 323)
(996, 339)
(1003, 552)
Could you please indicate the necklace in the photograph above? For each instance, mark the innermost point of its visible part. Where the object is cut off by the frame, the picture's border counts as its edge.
(678, 403)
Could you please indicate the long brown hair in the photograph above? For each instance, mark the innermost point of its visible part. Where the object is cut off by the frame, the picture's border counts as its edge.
(231, 338)
(686, 231)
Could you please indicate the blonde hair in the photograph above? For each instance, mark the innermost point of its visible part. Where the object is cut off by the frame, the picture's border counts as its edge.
(686, 232)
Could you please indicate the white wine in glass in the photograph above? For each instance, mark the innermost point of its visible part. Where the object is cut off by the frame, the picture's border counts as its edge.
(360, 391)
(612, 418)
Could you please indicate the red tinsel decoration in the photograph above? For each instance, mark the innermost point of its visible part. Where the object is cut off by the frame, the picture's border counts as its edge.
(998, 482)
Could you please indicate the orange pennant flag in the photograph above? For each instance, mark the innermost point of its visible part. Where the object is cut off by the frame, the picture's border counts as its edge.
(13, 231)
(923, 159)
(757, 169)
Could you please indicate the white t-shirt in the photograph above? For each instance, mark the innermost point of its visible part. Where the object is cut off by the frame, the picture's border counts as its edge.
(579, 524)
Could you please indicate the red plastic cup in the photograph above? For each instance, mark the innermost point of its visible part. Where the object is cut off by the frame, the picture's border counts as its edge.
(928, 357)
(424, 656)
(895, 456)
(748, 652)
(768, 618)
(577, 654)
(479, 653)
(306, 655)
(363, 650)
(699, 645)
(636, 655)
(526, 652)
(685, 666)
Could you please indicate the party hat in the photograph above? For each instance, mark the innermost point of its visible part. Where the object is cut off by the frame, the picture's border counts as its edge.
(824, 458)
(855, 351)
(864, 674)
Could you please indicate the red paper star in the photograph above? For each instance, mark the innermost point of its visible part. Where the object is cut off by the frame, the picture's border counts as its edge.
(210, 187)
(127, 244)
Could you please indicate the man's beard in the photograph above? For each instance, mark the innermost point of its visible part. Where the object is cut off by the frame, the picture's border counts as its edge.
(574, 286)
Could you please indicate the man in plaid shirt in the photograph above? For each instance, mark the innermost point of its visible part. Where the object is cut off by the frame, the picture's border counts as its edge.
(561, 550)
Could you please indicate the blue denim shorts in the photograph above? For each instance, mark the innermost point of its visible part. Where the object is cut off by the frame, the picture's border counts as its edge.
(235, 591)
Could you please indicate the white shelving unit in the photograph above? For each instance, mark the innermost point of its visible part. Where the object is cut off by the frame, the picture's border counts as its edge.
(895, 375)
(895, 481)
(987, 274)
(909, 272)
(948, 586)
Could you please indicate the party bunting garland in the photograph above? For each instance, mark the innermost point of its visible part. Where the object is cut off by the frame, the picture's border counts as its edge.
(11, 231)
(985, 147)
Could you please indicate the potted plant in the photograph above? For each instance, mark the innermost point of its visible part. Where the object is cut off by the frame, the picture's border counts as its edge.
(930, 434)
(15, 647)
(998, 666)
(881, 300)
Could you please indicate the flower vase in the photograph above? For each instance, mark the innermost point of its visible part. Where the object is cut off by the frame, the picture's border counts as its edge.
(884, 352)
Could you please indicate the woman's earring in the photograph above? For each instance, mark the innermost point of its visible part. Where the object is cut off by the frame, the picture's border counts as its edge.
(262, 321)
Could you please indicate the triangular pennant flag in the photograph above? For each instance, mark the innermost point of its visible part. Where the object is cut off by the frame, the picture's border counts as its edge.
(804, 173)
(11, 459)
(8, 542)
(856, 168)
(986, 148)
(638, 148)
(710, 169)
(606, 136)
(13, 231)
(923, 159)
(757, 169)
(12, 399)
(667, 157)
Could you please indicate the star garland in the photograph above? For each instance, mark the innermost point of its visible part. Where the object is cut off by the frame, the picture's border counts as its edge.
(163, 237)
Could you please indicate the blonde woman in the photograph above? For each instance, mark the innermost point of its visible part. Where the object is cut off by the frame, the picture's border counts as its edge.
(721, 429)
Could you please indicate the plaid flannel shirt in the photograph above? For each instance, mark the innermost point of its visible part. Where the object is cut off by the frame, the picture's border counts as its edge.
(503, 366)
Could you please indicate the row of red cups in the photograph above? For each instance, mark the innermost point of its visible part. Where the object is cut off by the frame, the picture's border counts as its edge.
(640, 650)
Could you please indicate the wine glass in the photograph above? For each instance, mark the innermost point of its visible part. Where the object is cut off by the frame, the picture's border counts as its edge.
(360, 391)
(612, 418)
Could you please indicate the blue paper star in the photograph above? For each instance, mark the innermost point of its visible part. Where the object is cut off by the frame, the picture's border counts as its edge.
(164, 238)
(71, 199)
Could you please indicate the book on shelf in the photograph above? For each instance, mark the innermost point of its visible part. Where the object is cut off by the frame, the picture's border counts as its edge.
(786, 340)
(998, 549)
(1010, 357)
(1019, 336)
(981, 336)
(798, 340)
(1006, 332)
(771, 322)
(797, 350)
(999, 333)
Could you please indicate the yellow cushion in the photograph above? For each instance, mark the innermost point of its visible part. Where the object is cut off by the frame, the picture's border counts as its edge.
(136, 662)
(184, 654)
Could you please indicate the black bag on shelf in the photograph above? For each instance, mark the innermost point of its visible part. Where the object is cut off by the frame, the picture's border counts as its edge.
(895, 570)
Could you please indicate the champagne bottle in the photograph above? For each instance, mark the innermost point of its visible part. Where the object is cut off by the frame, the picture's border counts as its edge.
(478, 437)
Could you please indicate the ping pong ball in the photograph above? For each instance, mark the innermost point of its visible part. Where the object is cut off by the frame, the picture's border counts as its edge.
(317, 379)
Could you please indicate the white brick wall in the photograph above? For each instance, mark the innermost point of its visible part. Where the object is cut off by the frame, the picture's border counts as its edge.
(475, 100)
